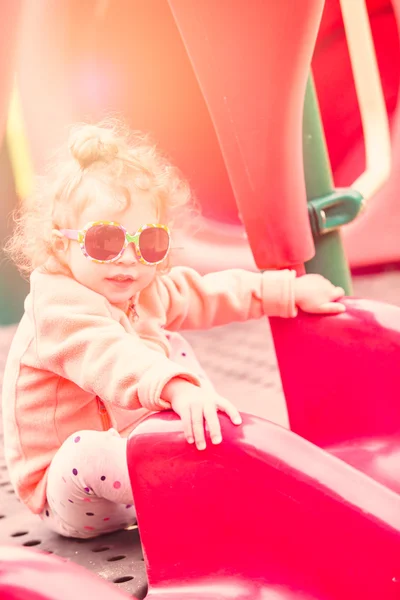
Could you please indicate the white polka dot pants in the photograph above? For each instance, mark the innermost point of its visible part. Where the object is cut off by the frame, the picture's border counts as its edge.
(88, 490)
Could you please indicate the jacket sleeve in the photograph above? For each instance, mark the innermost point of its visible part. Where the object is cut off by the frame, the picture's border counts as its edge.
(78, 339)
(192, 301)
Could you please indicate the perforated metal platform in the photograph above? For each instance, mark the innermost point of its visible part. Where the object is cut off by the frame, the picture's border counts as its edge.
(241, 362)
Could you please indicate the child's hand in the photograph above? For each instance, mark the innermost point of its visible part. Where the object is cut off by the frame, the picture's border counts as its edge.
(197, 408)
(315, 294)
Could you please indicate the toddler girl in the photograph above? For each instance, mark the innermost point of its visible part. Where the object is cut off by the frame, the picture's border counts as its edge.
(94, 354)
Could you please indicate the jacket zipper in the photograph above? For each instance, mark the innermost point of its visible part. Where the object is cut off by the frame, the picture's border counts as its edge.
(132, 310)
(104, 416)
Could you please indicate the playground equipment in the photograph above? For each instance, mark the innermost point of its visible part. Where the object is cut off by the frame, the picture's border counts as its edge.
(371, 240)
(85, 74)
(316, 508)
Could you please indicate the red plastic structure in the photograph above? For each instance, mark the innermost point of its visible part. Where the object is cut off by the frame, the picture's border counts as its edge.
(341, 381)
(268, 513)
(259, 129)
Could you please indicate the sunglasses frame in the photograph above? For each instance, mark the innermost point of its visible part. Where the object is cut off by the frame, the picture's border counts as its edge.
(79, 235)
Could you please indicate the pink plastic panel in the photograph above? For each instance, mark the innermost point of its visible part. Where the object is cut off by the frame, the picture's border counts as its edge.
(31, 575)
(341, 374)
(266, 512)
(252, 67)
(372, 239)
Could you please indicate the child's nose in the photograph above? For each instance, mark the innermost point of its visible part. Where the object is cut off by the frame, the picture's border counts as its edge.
(129, 256)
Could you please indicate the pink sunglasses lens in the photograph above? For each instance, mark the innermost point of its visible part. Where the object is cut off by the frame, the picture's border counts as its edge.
(154, 244)
(104, 242)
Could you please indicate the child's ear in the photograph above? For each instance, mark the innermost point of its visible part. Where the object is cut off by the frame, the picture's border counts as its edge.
(58, 241)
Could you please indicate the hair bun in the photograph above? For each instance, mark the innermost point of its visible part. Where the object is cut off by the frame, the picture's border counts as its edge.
(89, 144)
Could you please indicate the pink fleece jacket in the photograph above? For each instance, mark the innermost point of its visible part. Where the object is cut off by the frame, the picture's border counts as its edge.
(77, 362)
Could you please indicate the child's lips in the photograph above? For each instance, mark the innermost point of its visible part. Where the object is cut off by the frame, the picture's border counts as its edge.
(122, 281)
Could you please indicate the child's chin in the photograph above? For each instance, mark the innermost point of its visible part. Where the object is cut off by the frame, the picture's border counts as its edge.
(119, 297)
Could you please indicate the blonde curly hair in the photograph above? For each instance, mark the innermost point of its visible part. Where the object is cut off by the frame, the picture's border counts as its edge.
(100, 158)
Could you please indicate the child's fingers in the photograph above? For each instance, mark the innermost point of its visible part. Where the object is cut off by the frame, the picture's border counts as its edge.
(232, 412)
(186, 419)
(197, 417)
(164, 404)
(332, 308)
(337, 293)
(212, 421)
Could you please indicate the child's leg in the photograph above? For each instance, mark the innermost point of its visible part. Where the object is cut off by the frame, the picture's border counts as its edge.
(88, 489)
(183, 354)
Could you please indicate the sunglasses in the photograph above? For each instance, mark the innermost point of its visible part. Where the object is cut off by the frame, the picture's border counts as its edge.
(106, 241)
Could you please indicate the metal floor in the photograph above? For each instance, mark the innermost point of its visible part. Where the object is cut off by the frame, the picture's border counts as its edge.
(241, 362)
